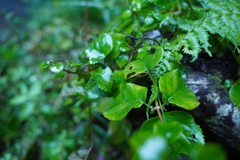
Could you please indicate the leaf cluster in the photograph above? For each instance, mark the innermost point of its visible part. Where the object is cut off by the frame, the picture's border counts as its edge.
(145, 46)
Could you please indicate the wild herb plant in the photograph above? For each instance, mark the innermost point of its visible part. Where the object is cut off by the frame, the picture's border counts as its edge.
(145, 47)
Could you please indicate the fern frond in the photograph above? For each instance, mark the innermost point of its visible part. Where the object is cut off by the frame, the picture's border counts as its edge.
(202, 35)
(192, 47)
(225, 20)
(155, 93)
(216, 17)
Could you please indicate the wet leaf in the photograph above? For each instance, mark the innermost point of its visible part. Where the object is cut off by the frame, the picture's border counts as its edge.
(92, 91)
(45, 64)
(103, 78)
(57, 67)
(137, 5)
(122, 60)
(126, 14)
(131, 96)
(119, 45)
(99, 49)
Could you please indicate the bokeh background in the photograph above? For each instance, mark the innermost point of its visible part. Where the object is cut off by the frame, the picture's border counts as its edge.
(42, 118)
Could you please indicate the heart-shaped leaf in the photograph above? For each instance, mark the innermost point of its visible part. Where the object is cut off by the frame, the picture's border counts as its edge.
(131, 96)
(175, 90)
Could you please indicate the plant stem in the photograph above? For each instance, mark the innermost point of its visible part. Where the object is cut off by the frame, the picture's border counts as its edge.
(157, 107)
(91, 131)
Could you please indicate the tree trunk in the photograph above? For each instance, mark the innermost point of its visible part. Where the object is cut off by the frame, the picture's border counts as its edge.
(216, 110)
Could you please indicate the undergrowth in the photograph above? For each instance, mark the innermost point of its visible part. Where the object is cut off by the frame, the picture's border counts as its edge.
(145, 46)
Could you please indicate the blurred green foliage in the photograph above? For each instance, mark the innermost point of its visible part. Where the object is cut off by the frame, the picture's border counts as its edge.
(46, 118)
(38, 119)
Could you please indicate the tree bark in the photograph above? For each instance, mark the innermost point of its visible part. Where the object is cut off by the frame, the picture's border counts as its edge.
(216, 109)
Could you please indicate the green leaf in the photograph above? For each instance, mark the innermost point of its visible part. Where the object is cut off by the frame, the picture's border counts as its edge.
(73, 64)
(99, 49)
(119, 45)
(184, 98)
(149, 23)
(92, 91)
(103, 78)
(118, 80)
(191, 136)
(175, 90)
(134, 68)
(170, 83)
(234, 93)
(45, 64)
(59, 75)
(170, 130)
(147, 147)
(122, 60)
(57, 67)
(137, 5)
(105, 104)
(126, 14)
(118, 77)
(125, 26)
(150, 59)
(131, 96)
(183, 139)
